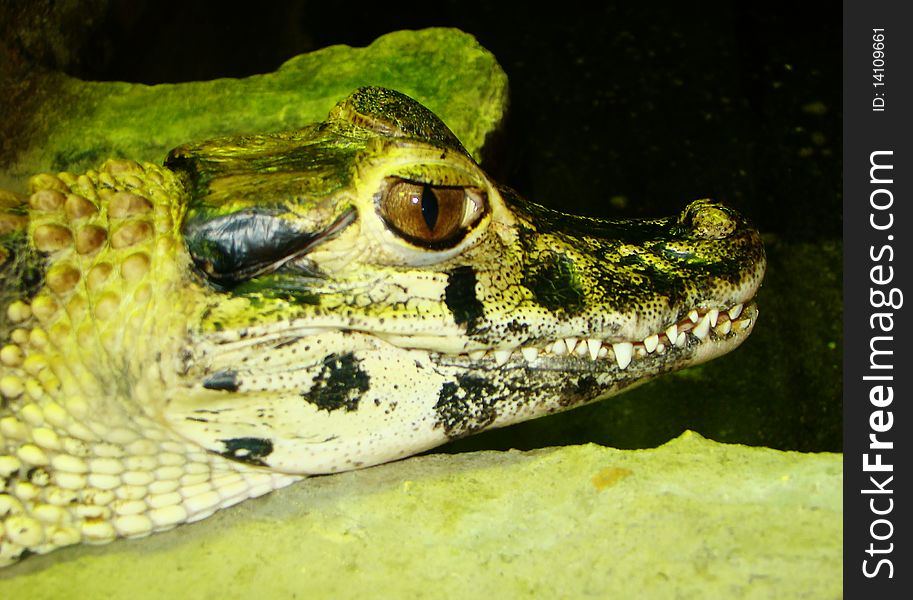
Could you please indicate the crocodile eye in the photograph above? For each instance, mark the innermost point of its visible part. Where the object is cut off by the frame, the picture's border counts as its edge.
(432, 216)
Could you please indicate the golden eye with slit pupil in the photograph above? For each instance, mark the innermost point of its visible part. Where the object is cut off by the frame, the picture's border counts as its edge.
(424, 212)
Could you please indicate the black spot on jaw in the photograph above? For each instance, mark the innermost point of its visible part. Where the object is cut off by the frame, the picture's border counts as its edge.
(222, 380)
(339, 384)
(578, 392)
(467, 406)
(248, 450)
(460, 296)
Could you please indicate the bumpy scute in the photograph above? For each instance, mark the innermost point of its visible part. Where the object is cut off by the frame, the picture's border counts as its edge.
(77, 462)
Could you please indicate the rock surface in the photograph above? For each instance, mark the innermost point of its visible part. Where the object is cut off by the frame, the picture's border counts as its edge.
(78, 124)
(691, 519)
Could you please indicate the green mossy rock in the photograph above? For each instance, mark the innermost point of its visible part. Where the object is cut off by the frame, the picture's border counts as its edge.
(691, 519)
(78, 124)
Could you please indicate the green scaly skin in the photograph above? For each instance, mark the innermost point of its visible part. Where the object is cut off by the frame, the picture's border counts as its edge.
(177, 339)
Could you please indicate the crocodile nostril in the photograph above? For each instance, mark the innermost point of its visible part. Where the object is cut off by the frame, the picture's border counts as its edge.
(709, 220)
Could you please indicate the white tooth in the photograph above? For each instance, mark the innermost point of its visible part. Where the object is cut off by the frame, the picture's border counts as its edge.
(623, 353)
(672, 333)
(661, 348)
(693, 315)
(743, 324)
(603, 352)
(714, 315)
(725, 327)
(735, 311)
(559, 348)
(571, 343)
(477, 354)
(529, 354)
(502, 356)
(681, 339)
(651, 342)
(582, 349)
(703, 328)
(593, 346)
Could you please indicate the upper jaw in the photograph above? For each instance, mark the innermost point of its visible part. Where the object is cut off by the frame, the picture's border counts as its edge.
(699, 335)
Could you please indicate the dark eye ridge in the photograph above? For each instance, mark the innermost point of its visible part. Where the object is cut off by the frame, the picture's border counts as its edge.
(237, 247)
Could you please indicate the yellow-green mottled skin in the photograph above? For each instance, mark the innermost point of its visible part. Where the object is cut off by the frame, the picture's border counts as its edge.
(176, 339)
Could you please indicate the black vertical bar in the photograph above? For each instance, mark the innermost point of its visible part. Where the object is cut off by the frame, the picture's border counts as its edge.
(878, 270)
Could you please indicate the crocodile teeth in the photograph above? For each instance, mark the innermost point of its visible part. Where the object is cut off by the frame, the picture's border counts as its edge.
(703, 327)
(623, 353)
(593, 346)
(714, 314)
(502, 356)
(695, 322)
(529, 354)
(651, 342)
(581, 349)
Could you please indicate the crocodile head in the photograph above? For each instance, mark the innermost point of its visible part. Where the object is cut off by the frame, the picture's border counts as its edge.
(271, 306)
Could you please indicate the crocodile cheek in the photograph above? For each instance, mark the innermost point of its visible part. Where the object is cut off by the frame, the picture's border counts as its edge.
(330, 402)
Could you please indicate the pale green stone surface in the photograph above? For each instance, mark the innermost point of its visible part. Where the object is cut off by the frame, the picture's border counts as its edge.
(83, 122)
(691, 519)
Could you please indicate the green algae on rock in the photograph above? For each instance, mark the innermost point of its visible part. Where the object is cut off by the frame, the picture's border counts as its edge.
(84, 122)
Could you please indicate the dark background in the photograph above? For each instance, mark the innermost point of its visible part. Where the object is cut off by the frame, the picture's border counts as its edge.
(619, 110)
